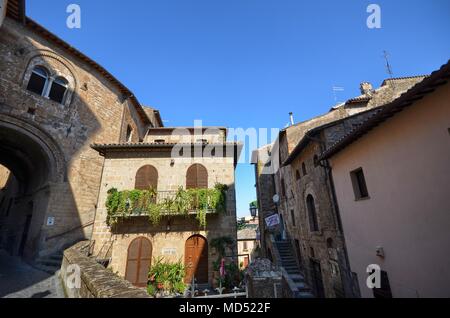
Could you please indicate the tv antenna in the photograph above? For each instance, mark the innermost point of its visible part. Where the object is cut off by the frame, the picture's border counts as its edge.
(388, 65)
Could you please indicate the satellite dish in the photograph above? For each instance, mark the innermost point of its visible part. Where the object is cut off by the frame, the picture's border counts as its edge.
(276, 198)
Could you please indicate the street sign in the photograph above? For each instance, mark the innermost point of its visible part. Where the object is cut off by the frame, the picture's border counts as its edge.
(272, 220)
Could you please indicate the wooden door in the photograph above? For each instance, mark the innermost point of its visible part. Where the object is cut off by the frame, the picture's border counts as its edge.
(138, 261)
(196, 259)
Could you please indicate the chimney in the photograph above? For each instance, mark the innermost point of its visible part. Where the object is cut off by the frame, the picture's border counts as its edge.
(366, 88)
(291, 118)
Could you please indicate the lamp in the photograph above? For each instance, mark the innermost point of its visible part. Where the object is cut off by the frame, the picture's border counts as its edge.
(253, 210)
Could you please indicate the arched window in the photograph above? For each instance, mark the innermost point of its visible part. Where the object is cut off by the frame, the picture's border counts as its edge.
(316, 161)
(297, 175)
(129, 133)
(38, 81)
(197, 177)
(58, 90)
(311, 207)
(146, 178)
(304, 169)
(43, 84)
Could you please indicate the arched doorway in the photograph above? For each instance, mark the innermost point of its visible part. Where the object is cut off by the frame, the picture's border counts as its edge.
(36, 167)
(196, 259)
(139, 260)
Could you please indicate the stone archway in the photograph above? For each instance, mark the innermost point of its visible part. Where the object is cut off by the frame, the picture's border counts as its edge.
(36, 164)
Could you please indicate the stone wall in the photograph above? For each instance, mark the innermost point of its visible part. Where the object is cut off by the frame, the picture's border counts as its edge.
(95, 281)
(95, 110)
(120, 172)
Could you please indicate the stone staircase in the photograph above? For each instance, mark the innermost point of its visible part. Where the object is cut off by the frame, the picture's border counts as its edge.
(289, 263)
(49, 264)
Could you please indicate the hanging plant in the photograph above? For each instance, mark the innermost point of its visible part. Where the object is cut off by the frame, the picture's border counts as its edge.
(123, 204)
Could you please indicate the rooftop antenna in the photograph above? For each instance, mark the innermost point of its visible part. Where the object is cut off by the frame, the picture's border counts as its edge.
(389, 68)
(336, 89)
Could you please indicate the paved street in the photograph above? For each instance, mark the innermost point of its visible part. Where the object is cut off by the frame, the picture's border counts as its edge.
(20, 280)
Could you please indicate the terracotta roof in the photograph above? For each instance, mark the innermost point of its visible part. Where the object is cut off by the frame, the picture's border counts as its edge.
(426, 86)
(16, 11)
(247, 233)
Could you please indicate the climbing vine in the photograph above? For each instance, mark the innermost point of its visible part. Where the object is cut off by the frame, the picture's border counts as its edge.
(123, 204)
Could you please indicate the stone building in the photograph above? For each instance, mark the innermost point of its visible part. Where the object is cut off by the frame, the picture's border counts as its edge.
(391, 182)
(54, 103)
(247, 245)
(309, 218)
(133, 243)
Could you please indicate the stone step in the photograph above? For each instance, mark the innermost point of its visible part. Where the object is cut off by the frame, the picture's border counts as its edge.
(305, 295)
(49, 262)
(46, 268)
(298, 277)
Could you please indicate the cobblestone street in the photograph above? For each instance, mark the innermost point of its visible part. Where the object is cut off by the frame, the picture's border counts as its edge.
(20, 280)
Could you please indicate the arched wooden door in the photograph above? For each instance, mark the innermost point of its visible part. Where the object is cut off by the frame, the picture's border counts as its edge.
(138, 261)
(196, 259)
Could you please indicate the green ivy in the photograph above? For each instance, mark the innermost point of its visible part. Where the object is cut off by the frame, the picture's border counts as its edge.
(123, 204)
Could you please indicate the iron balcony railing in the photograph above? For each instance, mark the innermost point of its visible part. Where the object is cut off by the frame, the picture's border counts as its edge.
(165, 198)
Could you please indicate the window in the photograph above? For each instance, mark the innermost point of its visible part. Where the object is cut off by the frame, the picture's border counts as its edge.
(38, 81)
(304, 169)
(41, 83)
(299, 252)
(293, 217)
(146, 178)
(385, 288)
(58, 90)
(245, 246)
(359, 184)
(316, 161)
(297, 175)
(129, 133)
(311, 207)
(160, 141)
(197, 177)
(283, 188)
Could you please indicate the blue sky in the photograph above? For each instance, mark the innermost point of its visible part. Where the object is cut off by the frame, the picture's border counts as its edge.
(248, 63)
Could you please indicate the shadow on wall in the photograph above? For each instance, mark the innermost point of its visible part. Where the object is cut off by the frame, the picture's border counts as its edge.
(50, 198)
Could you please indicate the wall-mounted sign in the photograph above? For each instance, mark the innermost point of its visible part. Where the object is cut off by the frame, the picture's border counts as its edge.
(272, 220)
(169, 251)
(3, 4)
(50, 221)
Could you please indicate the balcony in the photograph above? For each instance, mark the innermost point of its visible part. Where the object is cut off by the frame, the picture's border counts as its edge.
(157, 204)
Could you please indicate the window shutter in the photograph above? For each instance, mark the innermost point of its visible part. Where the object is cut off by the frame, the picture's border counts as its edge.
(146, 178)
(197, 177)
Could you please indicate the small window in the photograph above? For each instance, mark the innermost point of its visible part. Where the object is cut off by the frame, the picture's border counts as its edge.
(129, 135)
(359, 184)
(160, 141)
(304, 169)
(312, 215)
(58, 90)
(385, 288)
(38, 81)
(297, 175)
(245, 247)
(283, 188)
(316, 161)
(293, 218)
